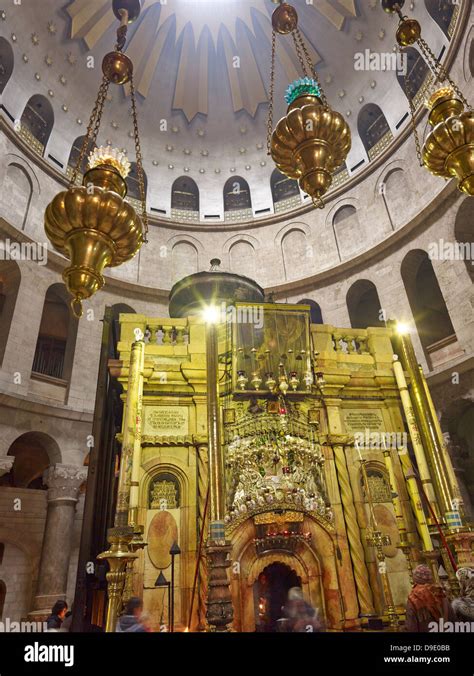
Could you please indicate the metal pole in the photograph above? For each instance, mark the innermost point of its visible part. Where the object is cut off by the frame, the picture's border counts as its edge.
(172, 594)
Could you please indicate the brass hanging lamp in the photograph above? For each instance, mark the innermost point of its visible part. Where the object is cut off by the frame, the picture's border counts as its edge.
(312, 140)
(92, 224)
(448, 149)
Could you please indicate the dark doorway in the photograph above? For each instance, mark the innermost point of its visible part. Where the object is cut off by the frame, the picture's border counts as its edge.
(271, 594)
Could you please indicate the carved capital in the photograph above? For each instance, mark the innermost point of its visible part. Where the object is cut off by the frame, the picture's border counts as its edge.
(64, 481)
(6, 463)
(340, 439)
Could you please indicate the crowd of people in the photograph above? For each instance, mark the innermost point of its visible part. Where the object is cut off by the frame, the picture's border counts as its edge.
(428, 603)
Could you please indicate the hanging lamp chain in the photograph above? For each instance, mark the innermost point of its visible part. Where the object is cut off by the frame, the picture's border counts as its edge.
(271, 95)
(90, 138)
(311, 66)
(139, 160)
(439, 70)
(410, 95)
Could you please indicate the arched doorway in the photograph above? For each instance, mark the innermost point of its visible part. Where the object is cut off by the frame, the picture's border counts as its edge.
(271, 594)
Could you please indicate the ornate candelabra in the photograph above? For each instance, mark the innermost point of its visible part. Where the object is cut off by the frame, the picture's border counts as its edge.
(91, 224)
(312, 140)
(448, 149)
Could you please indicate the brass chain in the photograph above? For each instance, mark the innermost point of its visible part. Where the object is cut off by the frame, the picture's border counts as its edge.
(271, 95)
(312, 67)
(138, 153)
(92, 128)
(410, 94)
(439, 70)
(295, 34)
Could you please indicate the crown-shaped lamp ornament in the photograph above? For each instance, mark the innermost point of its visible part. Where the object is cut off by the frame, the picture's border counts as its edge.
(312, 140)
(91, 224)
(448, 149)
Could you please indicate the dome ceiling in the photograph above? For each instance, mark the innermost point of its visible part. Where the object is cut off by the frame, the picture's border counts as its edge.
(201, 71)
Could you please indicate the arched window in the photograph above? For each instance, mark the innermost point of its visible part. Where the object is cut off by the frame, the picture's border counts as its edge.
(364, 305)
(10, 278)
(185, 194)
(237, 194)
(57, 337)
(428, 306)
(37, 122)
(373, 129)
(282, 187)
(33, 452)
(464, 234)
(133, 185)
(316, 316)
(6, 63)
(74, 155)
(442, 12)
(416, 73)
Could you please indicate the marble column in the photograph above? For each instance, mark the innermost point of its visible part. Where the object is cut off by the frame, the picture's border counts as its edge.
(63, 483)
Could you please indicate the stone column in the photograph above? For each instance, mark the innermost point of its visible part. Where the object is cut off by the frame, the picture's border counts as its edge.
(63, 483)
(203, 485)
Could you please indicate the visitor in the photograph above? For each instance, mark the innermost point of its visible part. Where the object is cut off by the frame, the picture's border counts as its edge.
(463, 606)
(131, 620)
(58, 613)
(427, 602)
(300, 616)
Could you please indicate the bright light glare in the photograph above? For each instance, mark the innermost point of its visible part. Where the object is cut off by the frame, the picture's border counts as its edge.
(403, 328)
(210, 314)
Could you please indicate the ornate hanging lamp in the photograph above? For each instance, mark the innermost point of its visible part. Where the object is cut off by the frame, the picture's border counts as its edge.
(312, 140)
(448, 149)
(92, 225)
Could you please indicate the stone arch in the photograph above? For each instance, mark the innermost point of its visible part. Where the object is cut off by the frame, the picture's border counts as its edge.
(457, 424)
(237, 194)
(242, 258)
(7, 62)
(18, 192)
(347, 230)
(10, 278)
(469, 69)
(442, 12)
(37, 121)
(372, 127)
(184, 259)
(294, 250)
(363, 305)
(56, 342)
(417, 72)
(464, 234)
(185, 194)
(282, 187)
(427, 303)
(34, 452)
(393, 187)
(313, 564)
(316, 315)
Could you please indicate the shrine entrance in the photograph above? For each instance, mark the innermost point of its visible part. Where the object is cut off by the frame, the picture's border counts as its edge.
(271, 594)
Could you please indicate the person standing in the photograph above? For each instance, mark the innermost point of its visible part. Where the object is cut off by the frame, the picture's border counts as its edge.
(463, 606)
(427, 602)
(131, 621)
(58, 613)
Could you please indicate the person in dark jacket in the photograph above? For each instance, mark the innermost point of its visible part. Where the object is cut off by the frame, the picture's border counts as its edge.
(58, 613)
(131, 621)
